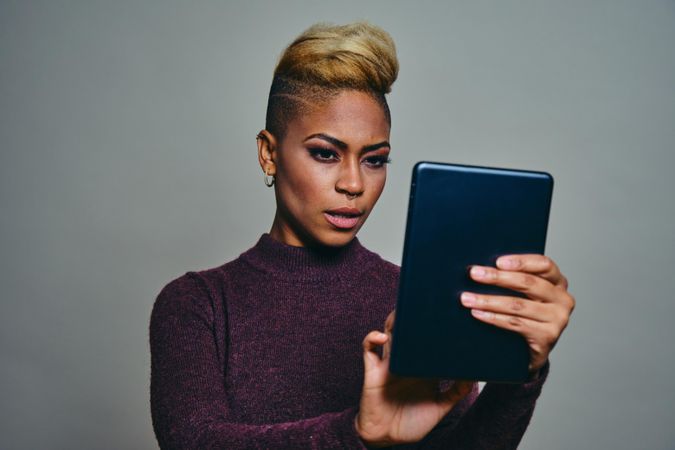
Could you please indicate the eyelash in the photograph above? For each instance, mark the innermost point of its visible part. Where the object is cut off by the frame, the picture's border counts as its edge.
(326, 156)
(323, 154)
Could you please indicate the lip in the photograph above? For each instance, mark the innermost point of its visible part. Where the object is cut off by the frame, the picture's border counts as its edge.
(345, 210)
(344, 218)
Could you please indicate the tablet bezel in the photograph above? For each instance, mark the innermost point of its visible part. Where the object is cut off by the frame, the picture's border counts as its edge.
(488, 212)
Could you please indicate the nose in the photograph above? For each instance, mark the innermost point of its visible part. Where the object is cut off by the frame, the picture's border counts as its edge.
(350, 181)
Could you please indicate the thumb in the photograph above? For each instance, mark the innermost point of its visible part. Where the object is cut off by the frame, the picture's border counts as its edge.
(371, 358)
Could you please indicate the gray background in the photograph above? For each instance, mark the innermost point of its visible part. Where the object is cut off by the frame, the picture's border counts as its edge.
(128, 157)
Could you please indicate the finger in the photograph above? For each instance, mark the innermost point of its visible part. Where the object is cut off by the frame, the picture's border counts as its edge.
(371, 343)
(515, 306)
(389, 322)
(540, 265)
(535, 287)
(388, 328)
(531, 330)
(386, 349)
(540, 337)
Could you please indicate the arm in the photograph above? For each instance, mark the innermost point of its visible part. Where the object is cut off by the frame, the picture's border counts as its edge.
(188, 397)
(401, 410)
(502, 412)
(496, 420)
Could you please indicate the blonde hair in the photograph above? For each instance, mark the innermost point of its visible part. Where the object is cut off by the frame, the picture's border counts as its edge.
(326, 59)
(357, 55)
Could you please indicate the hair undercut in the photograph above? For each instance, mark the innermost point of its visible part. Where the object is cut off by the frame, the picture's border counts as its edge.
(323, 61)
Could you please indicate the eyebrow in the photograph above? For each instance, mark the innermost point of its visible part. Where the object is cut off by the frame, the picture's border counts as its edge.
(343, 145)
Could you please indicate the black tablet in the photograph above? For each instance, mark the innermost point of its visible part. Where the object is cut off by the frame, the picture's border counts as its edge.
(459, 216)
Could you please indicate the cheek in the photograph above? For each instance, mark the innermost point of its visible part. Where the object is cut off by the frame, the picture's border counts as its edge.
(305, 187)
(376, 185)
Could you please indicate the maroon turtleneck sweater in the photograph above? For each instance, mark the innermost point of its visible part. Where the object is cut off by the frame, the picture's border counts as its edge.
(265, 352)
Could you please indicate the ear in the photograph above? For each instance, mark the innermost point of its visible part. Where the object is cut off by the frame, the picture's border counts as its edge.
(267, 145)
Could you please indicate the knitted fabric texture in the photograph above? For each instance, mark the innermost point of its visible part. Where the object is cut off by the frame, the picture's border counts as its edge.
(265, 352)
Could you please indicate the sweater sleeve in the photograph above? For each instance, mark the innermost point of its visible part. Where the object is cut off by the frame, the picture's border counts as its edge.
(187, 387)
(496, 420)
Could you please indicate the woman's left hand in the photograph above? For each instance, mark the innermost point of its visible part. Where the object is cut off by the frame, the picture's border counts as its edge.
(541, 317)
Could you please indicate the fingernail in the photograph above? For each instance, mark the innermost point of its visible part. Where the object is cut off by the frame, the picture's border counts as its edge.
(482, 314)
(468, 299)
(508, 263)
(478, 272)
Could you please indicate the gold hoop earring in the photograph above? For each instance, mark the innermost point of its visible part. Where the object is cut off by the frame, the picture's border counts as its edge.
(269, 180)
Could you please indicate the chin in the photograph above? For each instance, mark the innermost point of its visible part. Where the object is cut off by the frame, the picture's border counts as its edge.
(336, 238)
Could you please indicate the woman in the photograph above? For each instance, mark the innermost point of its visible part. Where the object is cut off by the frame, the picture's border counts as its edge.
(279, 348)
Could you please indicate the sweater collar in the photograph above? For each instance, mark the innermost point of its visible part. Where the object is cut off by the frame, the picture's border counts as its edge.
(280, 260)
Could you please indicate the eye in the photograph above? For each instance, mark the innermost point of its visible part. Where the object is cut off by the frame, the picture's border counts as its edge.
(377, 161)
(323, 154)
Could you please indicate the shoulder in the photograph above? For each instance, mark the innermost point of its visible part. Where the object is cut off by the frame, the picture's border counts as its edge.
(194, 293)
(189, 311)
(182, 297)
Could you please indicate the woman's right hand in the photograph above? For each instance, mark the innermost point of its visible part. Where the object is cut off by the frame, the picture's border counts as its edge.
(396, 410)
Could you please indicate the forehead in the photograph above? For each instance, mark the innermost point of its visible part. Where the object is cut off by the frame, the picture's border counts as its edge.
(350, 115)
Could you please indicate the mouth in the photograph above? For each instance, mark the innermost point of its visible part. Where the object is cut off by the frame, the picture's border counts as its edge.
(343, 218)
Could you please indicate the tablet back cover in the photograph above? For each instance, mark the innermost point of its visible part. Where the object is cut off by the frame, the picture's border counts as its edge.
(458, 216)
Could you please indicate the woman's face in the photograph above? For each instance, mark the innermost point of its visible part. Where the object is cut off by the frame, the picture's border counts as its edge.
(330, 169)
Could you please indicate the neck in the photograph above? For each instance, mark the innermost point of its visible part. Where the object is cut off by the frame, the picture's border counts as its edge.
(294, 263)
(281, 232)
